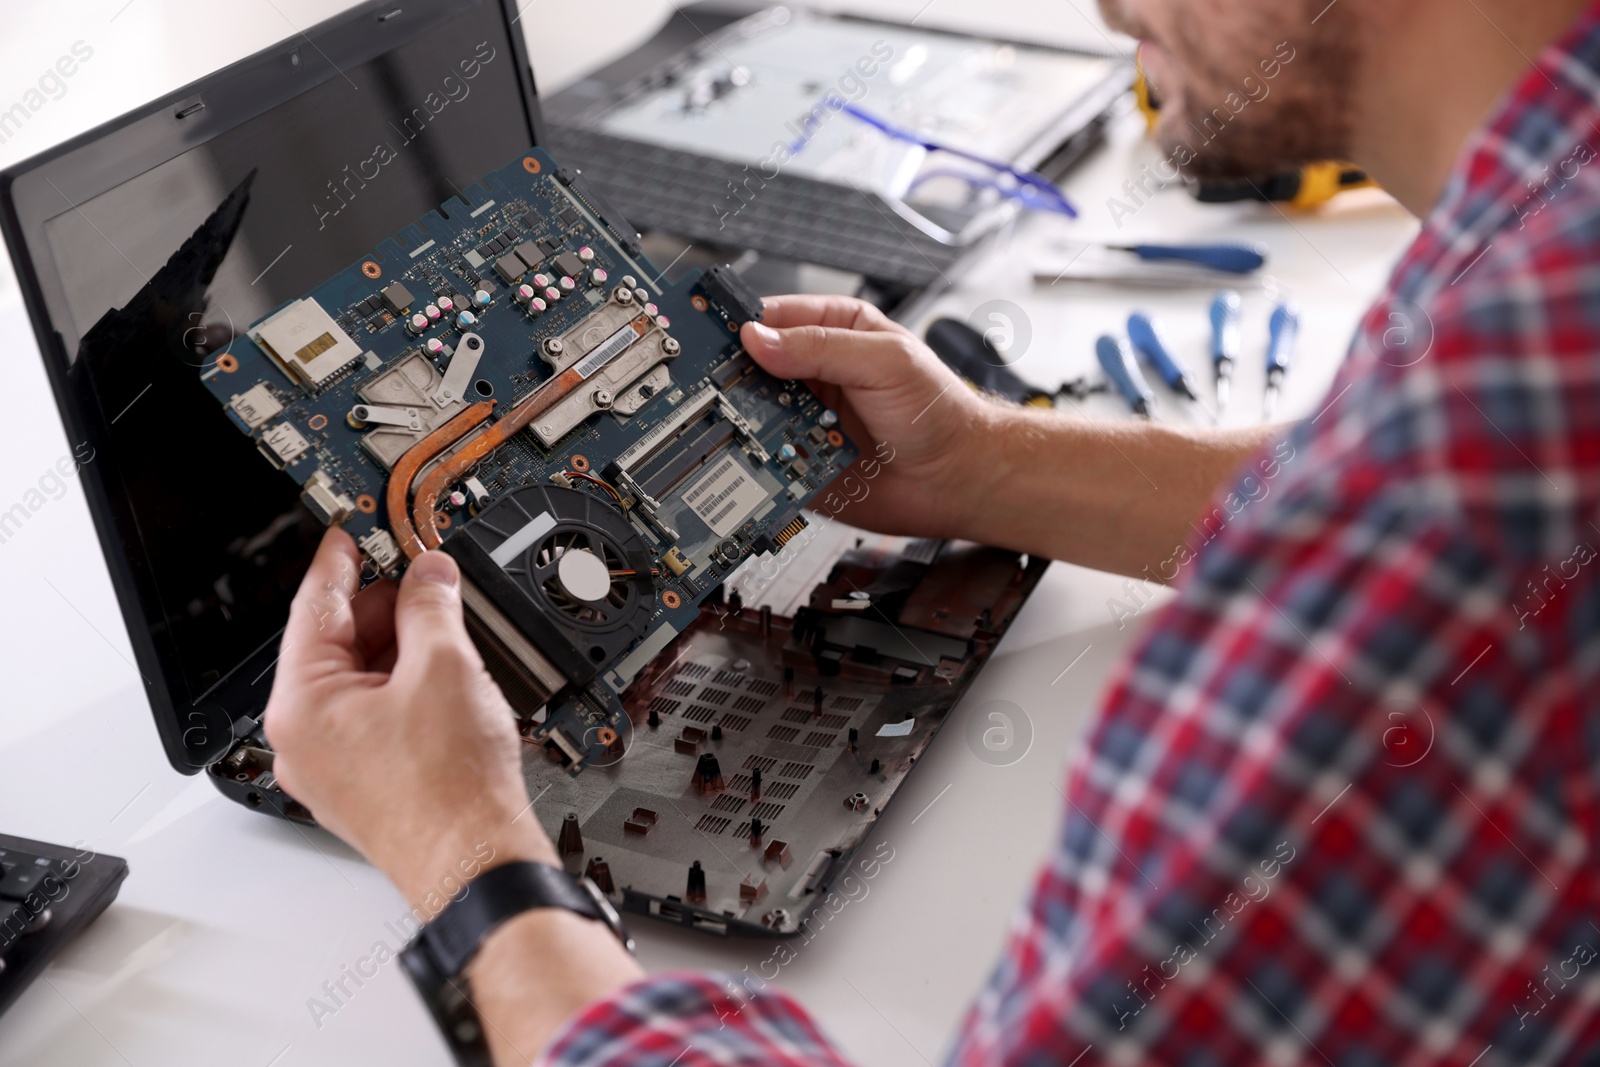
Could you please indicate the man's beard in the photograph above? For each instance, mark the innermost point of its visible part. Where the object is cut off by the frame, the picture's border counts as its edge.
(1227, 119)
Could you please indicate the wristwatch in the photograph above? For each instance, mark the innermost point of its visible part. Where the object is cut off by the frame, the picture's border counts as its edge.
(440, 952)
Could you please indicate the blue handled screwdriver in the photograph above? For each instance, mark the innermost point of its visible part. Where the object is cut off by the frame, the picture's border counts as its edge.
(1224, 342)
(1282, 330)
(1116, 358)
(1225, 257)
(1149, 340)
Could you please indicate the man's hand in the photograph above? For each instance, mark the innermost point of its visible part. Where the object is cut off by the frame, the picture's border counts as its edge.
(1115, 496)
(902, 406)
(388, 728)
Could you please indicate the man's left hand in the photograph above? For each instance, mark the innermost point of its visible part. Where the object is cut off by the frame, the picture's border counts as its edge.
(387, 726)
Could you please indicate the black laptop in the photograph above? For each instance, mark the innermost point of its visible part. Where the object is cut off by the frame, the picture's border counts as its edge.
(205, 545)
(138, 256)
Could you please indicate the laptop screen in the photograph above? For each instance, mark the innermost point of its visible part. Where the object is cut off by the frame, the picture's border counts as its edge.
(159, 272)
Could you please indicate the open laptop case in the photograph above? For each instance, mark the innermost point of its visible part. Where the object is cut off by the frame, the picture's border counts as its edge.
(820, 664)
(750, 126)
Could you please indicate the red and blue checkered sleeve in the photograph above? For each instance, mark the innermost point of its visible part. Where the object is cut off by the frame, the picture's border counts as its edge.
(693, 1019)
(1338, 807)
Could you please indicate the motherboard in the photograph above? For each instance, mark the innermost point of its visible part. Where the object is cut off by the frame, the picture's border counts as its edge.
(719, 696)
(509, 381)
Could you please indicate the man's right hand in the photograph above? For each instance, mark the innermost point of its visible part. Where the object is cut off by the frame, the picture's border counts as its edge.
(1114, 495)
(900, 404)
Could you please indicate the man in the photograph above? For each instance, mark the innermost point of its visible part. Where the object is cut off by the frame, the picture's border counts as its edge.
(1341, 805)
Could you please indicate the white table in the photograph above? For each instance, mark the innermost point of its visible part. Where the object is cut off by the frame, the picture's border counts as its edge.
(229, 923)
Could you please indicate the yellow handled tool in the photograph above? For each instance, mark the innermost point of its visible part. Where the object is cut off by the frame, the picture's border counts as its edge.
(1309, 187)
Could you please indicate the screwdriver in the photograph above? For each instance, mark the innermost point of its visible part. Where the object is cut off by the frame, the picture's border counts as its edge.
(1116, 358)
(1225, 257)
(1282, 330)
(1224, 342)
(1149, 341)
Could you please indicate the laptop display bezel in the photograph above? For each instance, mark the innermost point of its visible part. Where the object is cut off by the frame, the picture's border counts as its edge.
(193, 732)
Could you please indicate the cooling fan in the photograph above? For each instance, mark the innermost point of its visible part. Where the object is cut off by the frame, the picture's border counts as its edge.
(576, 569)
(583, 576)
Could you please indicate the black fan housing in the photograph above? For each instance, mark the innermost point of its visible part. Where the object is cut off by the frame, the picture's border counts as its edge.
(567, 568)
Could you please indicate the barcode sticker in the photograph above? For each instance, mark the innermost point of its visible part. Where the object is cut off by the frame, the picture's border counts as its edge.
(725, 496)
(606, 351)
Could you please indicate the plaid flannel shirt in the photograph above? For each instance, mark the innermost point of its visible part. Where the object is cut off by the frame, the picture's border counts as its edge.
(1340, 805)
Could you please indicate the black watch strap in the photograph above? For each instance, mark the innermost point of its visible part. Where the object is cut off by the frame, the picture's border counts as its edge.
(442, 949)
(498, 894)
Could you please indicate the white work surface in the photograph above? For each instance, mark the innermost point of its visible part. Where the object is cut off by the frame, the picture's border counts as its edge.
(230, 922)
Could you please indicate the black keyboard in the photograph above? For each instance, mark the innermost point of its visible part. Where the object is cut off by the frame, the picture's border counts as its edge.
(48, 893)
(790, 216)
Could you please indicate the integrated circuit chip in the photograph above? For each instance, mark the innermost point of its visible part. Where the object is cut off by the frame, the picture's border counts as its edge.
(569, 264)
(725, 495)
(509, 267)
(397, 296)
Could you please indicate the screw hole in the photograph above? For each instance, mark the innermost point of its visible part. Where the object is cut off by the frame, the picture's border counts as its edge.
(597, 653)
(253, 799)
(483, 387)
